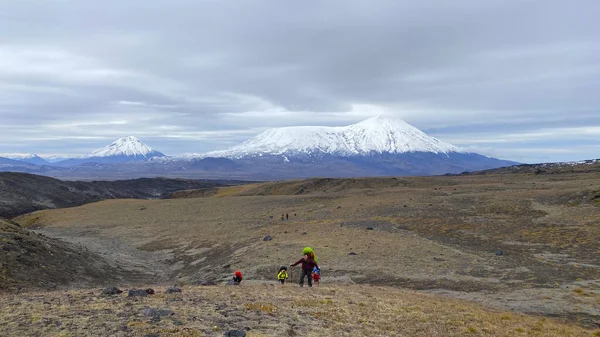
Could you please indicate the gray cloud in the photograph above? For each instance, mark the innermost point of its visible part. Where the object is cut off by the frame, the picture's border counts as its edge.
(192, 76)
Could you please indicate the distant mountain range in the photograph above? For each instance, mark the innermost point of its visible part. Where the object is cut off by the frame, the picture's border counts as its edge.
(374, 147)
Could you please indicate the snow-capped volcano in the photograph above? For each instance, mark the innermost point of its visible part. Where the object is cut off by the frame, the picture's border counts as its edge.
(125, 149)
(126, 146)
(34, 159)
(375, 135)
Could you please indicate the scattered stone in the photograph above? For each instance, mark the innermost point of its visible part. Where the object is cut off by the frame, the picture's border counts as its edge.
(152, 312)
(108, 291)
(204, 283)
(235, 333)
(267, 238)
(339, 207)
(171, 290)
(136, 292)
(370, 228)
(304, 233)
(152, 335)
(140, 292)
(225, 266)
(352, 253)
(142, 208)
(499, 252)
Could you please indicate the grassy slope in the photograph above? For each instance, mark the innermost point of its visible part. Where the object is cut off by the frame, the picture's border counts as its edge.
(435, 232)
(268, 310)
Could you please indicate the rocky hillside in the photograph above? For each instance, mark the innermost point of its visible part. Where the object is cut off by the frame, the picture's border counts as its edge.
(29, 260)
(584, 166)
(22, 193)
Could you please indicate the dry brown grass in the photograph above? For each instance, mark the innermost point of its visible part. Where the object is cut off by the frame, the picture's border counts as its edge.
(430, 233)
(268, 310)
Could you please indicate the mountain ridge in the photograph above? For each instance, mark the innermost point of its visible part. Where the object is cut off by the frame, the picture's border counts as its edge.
(377, 146)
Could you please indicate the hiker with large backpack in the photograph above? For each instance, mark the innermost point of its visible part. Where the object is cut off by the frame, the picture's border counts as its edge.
(308, 265)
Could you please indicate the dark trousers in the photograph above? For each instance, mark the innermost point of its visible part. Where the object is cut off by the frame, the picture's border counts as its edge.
(308, 274)
(282, 281)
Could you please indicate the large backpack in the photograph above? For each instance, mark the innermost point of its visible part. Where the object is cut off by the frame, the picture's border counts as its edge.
(311, 253)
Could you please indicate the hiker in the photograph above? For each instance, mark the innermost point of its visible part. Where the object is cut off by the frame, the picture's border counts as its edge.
(282, 218)
(287, 216)
(237, 277)
(308, 264)
(316, 275)
(283, 274)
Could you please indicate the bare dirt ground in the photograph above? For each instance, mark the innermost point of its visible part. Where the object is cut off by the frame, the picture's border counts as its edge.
(433, 234)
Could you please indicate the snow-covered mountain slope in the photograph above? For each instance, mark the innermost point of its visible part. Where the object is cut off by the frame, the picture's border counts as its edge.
(126, 146)
(34, 159)
(375, 135)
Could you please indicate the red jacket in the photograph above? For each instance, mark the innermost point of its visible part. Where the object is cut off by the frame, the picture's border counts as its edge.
(308, 264)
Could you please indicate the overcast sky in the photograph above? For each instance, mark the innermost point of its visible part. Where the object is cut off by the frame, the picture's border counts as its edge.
(514, 79)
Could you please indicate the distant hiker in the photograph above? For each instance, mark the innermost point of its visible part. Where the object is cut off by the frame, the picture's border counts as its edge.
(282, 217)
(287, 216)
(283, 274)
(308, 264)
(237, 277)
(316, 275)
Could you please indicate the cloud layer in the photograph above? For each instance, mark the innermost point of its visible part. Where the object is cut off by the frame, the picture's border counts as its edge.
(515, 79)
